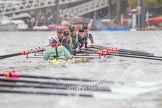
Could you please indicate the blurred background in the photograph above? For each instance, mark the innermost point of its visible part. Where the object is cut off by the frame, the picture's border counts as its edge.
(109, 15)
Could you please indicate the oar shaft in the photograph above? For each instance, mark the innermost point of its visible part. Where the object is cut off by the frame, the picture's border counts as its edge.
(45, 93)
(135, 54)
(27, 81)
(31, 86)
(9, 55)
(56, 78)
(88, 88)
(86, 56)
(45, 83)
(123, 50)
(25, 52)
(131, 56)
(11, 76)
(16, 75)
(125, 53)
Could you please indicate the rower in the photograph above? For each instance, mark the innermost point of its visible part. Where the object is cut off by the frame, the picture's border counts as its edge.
(56, 51)
(60, 34)
(83, 39)
(88, 35)
(75, 36)
(67, 41)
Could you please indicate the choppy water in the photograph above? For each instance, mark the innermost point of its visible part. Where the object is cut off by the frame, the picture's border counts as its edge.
(142, 79)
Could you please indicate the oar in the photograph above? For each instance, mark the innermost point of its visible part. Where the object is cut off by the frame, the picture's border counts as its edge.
(122, 52)
(82, 50)
(106, 52)
(68, 85)
(58, 87)
(27, 81)
(129, 52)
(13, 74)
(73, 57)
(16, 75)
(118, 52)
(78, 55)
(102, 95)
(25, 52)
(75, 87)
(86, 56)
(45, 93)
(135, 52)
(11, 55)
(134, 56)
(125, 50)
(132, 53)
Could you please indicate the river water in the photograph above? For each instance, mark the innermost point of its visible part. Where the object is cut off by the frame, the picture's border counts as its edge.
(141, 79)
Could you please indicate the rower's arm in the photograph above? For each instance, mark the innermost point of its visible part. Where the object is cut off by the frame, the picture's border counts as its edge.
(91, 38)
(74, 44)
(81, 42)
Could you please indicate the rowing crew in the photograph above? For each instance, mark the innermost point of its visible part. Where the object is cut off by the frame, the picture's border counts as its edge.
(68, 42)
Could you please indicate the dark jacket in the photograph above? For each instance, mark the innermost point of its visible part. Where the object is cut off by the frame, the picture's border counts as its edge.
(77, 40)
(68, 45)
(83, 41)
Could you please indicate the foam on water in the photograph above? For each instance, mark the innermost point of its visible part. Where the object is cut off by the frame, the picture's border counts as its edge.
(112, 96)
(133, 91)
(149, 84)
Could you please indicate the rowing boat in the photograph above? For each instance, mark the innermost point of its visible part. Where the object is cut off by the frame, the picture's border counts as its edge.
(102, 51)
(79, 60)
(69, 61)
(58, 61)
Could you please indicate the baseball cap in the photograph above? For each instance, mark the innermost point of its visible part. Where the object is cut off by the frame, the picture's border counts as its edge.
(85, 26)
(59, 30)
(81, 30)
(66, 33)
(72, 28)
